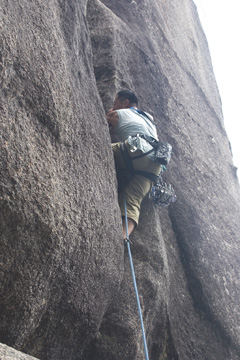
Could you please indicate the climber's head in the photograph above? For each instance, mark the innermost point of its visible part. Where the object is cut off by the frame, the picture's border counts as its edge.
(124, 100)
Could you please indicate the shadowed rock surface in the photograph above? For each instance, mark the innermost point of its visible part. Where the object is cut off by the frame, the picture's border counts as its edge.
(66, 286)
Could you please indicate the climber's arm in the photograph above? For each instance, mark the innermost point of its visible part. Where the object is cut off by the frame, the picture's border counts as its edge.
(112, 118)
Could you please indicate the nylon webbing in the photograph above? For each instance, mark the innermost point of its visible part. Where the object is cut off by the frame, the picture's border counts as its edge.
(134, 281)
(129, 164)
(127, 159)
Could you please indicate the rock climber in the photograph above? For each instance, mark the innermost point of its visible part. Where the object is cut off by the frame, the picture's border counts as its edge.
(133, 155)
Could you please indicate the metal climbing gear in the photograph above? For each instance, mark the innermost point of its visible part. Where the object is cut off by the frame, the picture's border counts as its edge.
(129, 164)
(162, 151)
(162, 194)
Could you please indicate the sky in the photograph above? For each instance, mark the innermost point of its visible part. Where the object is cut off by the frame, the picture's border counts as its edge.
(221, 24)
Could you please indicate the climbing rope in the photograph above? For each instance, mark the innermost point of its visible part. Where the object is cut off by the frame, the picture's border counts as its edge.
(134, 281)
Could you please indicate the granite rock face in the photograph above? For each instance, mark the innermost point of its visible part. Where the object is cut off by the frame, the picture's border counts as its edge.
(66, 286)
(7, 353)
(61, 249)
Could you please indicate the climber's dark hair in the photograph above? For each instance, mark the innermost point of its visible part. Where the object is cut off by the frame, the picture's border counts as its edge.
(129, 95)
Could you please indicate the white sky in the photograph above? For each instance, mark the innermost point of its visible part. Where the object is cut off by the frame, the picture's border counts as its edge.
(221, 24)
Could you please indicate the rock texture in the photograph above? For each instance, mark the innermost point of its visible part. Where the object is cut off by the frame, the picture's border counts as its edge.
(7, 353)
(61, 249)
(66, 287)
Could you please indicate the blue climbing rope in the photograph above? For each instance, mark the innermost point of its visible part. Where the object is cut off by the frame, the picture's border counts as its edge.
(134, 281)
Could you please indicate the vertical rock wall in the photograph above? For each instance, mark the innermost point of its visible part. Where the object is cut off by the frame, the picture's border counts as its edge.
(65, 279)
(159, 50)
(61, 251)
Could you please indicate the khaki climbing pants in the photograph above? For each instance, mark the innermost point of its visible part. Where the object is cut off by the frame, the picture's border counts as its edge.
(137, 186)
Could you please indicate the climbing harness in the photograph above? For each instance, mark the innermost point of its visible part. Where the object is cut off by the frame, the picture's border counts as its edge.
(162, 151)
(129, 163)
(134, 281)
(161, 193)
